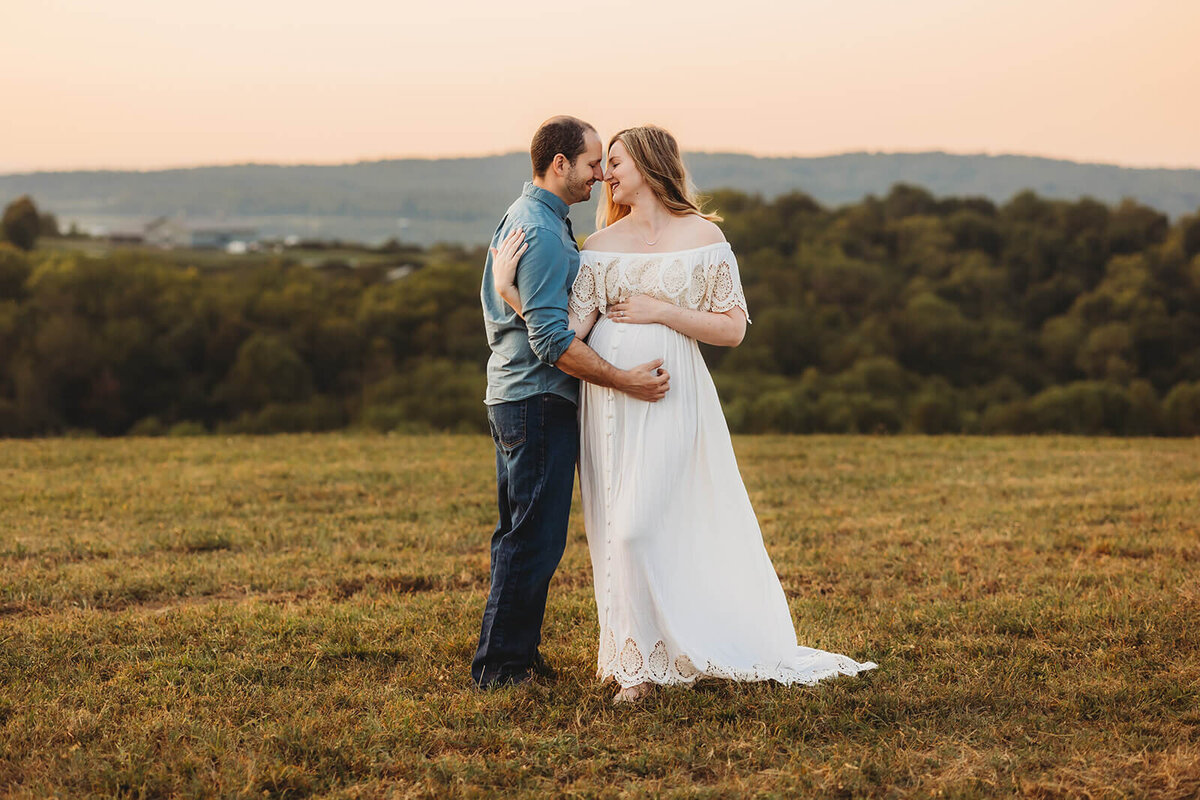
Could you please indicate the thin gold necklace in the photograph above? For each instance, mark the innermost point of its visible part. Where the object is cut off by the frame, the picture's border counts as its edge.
(660, 233)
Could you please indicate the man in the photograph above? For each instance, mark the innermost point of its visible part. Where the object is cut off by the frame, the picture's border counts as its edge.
(531, 398)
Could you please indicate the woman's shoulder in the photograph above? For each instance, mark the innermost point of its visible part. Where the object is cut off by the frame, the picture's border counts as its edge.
(699, 232)
(692, 232)
(608, 237)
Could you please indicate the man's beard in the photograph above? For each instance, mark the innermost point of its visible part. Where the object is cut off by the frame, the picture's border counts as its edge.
(577, 186)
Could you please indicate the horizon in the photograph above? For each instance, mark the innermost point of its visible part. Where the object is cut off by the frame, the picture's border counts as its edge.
(5, 172)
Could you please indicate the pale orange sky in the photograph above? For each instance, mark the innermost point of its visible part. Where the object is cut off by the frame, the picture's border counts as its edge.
(147, 83)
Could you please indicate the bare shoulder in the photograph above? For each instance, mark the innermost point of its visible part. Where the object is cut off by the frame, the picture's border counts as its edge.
(700, 232)
(610, 237)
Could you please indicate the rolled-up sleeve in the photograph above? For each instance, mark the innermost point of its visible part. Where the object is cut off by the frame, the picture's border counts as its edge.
(542, 282)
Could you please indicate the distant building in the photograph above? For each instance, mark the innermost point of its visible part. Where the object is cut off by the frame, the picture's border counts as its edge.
(169, 232)
(126, 237)
(164, 232)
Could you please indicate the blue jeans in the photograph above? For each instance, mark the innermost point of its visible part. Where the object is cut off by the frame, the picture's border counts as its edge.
(537, 447)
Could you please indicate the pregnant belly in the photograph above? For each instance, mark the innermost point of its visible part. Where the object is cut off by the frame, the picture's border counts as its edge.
(625, 345)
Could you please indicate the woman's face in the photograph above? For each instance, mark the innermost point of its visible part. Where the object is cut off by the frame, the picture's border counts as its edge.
(622, 176)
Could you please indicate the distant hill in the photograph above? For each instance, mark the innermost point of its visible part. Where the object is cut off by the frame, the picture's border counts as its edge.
(460, 200)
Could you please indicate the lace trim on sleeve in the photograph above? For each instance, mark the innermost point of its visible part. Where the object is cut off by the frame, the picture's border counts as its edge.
(724, 291)
(583, 300)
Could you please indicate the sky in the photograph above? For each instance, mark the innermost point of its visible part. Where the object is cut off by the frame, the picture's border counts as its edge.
(146, 84)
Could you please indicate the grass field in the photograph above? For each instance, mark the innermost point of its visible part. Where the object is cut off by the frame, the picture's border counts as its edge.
(294, 616)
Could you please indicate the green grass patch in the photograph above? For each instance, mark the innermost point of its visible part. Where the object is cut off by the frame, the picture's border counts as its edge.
(294, 616)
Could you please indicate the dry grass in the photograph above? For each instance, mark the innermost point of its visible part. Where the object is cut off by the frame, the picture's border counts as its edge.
(293, 617)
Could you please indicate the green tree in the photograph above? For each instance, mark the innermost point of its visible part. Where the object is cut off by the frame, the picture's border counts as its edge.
(906, 200)
(974, 231)
(436, 394)
(1181, 410)
(15, 269)
(21, 223)
(267, 370)
(1145, 410)
(1132, 228)
(933, 337)
(936, 409)
(1191, 237)
(1085, 407)
(48, 226)
(1107, 352)
(1060, 340)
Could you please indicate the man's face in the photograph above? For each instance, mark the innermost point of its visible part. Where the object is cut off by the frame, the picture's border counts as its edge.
(586, 170)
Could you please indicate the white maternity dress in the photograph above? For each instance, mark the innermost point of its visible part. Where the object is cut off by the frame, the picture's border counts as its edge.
(684, 586)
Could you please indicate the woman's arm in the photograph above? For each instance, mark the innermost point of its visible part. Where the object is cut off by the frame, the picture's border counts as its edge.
(582, 327)
(504, 268)
(724, 329)
(504, 278)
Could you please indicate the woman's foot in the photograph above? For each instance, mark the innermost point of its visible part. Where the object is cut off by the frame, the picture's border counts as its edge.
(632, 694)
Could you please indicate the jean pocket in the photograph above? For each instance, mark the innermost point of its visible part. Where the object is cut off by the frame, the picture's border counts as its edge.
(508, 422)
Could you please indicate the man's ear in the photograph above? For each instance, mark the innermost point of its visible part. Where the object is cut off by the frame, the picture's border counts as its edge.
(560, 164)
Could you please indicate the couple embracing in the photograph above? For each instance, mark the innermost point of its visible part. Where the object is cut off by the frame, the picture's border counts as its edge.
(684, 587)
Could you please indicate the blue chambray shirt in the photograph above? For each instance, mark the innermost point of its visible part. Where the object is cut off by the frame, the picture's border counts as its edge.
(524, 350)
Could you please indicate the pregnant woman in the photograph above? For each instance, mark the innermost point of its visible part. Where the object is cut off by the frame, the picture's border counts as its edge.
(684, 586)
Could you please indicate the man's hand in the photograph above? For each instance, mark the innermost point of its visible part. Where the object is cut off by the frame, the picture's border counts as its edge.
(647, 382)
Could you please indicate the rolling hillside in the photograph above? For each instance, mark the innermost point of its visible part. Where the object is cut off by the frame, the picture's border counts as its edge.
(459, 200)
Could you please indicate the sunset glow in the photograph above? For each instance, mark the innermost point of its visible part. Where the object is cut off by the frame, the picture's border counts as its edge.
(141, 84)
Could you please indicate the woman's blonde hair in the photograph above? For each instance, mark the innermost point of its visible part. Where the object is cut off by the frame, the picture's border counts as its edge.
(655, 153)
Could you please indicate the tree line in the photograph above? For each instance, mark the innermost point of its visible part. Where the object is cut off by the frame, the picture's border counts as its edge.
(902, 313)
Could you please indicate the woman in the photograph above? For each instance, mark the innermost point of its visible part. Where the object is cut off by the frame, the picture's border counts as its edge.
(684, 587)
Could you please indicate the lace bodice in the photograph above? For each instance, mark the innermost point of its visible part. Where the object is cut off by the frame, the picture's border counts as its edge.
(702, 279)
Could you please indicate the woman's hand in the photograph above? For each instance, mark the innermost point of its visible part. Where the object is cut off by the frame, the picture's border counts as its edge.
(641, 309)
(505, 258)
(504, 268)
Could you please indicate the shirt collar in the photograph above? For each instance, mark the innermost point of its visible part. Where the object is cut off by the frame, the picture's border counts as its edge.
(549, 198)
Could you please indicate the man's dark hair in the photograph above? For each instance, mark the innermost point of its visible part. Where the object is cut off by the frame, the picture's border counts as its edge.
(557, 135)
